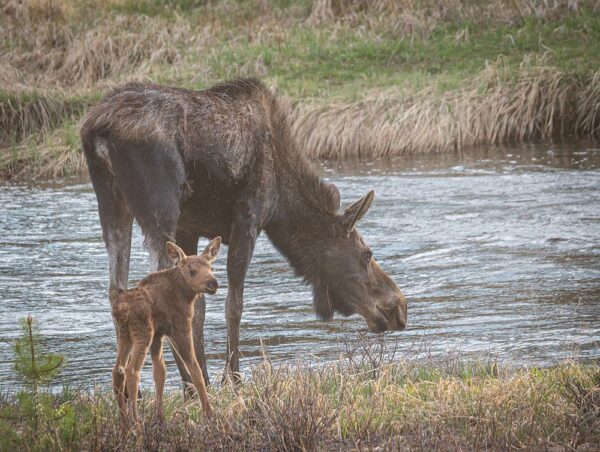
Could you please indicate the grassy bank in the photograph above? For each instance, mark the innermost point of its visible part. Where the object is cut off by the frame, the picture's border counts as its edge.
(364, 78)
(401, 406)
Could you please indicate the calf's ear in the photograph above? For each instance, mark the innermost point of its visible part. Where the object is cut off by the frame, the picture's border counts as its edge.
(212, 249)
(175, 253)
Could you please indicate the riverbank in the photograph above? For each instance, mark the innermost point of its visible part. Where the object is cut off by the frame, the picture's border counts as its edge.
(453, 405)
(363, 79)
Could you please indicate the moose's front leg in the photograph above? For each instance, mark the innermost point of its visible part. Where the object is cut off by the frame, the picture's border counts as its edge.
(244, 231)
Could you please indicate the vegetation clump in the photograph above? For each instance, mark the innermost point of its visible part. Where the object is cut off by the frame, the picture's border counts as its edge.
(370, 398)
(34, 407)
(402, 405)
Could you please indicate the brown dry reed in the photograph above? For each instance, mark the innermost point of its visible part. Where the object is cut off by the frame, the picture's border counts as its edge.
(56, 52)
(539, 104)
(544, 104)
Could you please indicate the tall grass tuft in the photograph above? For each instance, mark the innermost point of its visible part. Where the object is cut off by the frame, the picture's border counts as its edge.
(50, 55)
(494, 108)
(31, 113)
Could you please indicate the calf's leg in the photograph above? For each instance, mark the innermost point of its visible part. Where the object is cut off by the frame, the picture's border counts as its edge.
(133, 372)
(159, 373)
(118, 373)
(185, 348)
(189, 244)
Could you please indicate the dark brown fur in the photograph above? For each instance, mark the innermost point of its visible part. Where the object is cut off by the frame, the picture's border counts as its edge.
(222, 161)
(161, 305)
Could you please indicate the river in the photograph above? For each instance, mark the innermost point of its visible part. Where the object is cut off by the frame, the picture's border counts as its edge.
(496, 250)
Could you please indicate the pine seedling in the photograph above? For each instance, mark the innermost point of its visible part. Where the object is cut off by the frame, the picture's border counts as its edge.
(32, 365)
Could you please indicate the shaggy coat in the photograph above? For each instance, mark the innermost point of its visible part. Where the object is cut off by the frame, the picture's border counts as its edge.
(222, 161)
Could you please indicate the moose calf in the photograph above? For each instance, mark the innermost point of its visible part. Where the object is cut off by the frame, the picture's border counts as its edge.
(162, 304)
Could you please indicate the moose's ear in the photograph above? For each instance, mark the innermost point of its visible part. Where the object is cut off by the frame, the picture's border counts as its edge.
(175, 253)
(356, 211)
(212, 249)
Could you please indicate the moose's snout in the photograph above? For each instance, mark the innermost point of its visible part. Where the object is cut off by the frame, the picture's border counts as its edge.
(398, 316)
(388, 318)
(212, 285)
(399, 321)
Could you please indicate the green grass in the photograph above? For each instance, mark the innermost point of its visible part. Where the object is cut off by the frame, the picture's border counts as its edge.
(314, 63)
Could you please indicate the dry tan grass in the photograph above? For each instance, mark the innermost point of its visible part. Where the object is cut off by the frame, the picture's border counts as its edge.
(33, 10)
(48, 53)
(543, 104)
(423, 15)
(398, 405)
(23, 114)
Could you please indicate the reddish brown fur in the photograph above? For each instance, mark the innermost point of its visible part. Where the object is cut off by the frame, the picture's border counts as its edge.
(162, 304)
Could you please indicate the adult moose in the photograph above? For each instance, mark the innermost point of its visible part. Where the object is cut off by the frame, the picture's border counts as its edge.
(222, 162)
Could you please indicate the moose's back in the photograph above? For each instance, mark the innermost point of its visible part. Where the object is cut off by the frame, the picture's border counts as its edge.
(221, 128)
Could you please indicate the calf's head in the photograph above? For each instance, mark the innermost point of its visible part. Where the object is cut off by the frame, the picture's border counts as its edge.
(196, 270)
(349, 280)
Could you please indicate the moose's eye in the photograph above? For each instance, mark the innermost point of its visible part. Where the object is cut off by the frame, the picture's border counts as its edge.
(368, 256)
(192, 273)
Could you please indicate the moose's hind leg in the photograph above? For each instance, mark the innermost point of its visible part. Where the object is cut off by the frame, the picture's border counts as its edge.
(152, 177)
(116, 221)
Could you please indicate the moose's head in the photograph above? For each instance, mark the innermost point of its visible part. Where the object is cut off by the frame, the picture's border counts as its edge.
(197, 270)
(348, 280)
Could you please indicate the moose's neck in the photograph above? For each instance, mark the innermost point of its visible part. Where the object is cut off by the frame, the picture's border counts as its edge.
(295, 246)
(306, 207)
(299, 231)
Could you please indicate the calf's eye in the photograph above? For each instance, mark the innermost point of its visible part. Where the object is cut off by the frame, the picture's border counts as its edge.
(368, 256)
(192, 272)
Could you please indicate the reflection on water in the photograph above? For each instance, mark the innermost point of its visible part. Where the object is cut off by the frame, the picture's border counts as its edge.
(497, 252)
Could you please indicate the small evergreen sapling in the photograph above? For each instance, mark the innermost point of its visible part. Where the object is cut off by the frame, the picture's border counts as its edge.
(35, 368)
